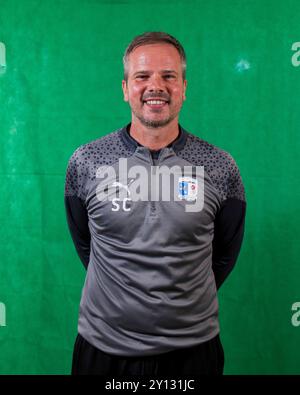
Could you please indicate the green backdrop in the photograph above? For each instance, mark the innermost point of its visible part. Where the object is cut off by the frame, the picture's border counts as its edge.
(61, 87)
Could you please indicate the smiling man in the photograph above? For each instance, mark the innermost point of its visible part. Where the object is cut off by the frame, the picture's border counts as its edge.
(149, 304)
(155, 87)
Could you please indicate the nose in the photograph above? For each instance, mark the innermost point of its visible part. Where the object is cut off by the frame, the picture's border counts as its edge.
(156, 84)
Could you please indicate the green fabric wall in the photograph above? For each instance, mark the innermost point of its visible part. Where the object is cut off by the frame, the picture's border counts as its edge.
(62, 87)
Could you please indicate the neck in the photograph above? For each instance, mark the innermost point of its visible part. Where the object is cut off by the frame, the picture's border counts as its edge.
(154, 138)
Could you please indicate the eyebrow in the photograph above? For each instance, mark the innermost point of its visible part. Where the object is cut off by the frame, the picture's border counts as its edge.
(149, 71)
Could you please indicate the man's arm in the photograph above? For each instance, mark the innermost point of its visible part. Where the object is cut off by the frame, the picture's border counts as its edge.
(229, 232)
(229, 222)
(76, 211)
(77, 219)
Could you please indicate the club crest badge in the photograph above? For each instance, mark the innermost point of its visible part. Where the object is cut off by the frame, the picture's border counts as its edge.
(187, 188)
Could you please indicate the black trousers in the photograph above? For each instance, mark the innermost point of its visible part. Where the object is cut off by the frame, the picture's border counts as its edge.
(204, 359)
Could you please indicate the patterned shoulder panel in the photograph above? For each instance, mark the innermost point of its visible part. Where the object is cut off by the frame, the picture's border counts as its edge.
(87, 158)
(219, 165)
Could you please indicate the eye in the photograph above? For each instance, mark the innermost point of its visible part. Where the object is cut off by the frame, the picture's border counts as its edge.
(169, 76)
(141, 77)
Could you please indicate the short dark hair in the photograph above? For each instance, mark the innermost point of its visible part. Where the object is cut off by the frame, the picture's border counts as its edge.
(154, 38)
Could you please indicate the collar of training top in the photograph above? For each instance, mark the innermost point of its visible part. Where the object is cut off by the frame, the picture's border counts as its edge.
(131, 143)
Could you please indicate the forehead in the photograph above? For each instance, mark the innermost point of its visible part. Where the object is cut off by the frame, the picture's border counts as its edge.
(164, 56)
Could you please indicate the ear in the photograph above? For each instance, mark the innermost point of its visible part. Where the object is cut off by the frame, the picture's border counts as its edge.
(184, 89)
(125, 90)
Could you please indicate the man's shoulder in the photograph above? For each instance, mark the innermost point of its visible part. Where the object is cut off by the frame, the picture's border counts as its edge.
(218, 164)
(202, 150)
(102, 145)
(87, 158)
(105, 150)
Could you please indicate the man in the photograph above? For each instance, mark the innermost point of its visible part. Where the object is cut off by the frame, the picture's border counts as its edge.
(157, 217)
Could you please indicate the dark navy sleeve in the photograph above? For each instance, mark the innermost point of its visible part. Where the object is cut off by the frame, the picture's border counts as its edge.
(77, 220)
(229, 222)
(76, 211)
(228, 237)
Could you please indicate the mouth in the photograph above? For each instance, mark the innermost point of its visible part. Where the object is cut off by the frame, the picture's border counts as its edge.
(155, 103)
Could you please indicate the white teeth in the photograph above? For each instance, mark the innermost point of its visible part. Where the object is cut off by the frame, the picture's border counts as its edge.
(155, 102)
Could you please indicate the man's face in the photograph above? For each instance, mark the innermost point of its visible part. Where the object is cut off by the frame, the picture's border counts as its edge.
(155, 89)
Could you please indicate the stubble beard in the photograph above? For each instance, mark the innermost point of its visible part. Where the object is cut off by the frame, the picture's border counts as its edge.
(149, 123)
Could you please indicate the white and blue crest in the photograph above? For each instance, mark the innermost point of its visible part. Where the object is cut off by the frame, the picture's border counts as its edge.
(187, 188)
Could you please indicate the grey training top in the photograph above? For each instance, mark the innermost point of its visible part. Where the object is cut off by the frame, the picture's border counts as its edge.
(153, 263)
